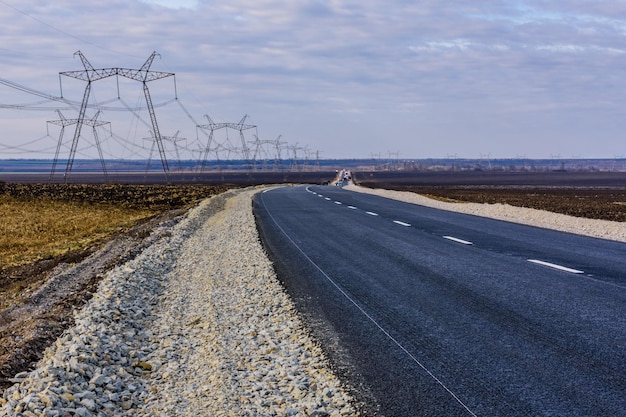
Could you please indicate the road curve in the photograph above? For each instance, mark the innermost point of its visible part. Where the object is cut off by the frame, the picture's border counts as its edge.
(431, 313)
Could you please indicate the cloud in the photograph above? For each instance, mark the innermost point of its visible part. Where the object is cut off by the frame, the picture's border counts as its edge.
(174, 4)
(449, 65)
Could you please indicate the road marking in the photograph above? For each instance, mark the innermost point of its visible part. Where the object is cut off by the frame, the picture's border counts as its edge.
(337, 202)
(352, 207)
(319, 195)
(371, 213)
(555, 266)
(272, 188)
(457, 240)
(326, 198)
(368, 316)
(402, 223)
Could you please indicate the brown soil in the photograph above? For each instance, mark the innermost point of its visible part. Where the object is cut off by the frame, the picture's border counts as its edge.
(594, 195)
(37, 300)
(589, 203)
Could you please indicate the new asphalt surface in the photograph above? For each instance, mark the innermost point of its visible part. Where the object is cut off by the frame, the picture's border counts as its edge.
(433, 313)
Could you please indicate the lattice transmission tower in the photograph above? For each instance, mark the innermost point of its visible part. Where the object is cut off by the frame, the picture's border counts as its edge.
(241, 126)
(211, 127)
(143, 74)
(63, 122)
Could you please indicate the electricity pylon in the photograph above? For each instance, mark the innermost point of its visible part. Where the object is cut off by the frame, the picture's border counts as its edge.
(90, 74)
(278, 145)
(63, 122)
(259, 151)
(241, 126)
(211, 127)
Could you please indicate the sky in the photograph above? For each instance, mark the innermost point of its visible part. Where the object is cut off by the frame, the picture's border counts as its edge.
(333, 78)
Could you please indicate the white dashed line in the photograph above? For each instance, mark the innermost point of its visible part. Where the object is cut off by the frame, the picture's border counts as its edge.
(371, 213)
(402, 223)
(352, 207)
(326, 198)
(555, 266)
(457, 240)
(337, 202)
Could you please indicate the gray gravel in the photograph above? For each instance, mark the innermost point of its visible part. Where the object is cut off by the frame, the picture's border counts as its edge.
(196, 325)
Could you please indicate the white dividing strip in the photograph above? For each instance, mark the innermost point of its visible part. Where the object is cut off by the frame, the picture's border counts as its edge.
(369, 317)
(319, 195)
(272, 188)
(555, 266)
(457, 240)
(337, 202)
(326, 198)
(371, 213)
(352, 207)
(402, 223)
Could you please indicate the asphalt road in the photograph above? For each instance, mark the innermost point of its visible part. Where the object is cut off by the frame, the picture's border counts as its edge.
(431, 313)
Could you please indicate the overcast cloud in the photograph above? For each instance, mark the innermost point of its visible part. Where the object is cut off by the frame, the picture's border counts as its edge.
(348, 78)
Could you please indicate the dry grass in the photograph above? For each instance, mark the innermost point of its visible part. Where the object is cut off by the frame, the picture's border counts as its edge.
(43, 221)
(43, 228)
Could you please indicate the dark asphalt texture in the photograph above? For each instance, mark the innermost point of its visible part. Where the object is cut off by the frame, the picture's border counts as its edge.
(421, 325)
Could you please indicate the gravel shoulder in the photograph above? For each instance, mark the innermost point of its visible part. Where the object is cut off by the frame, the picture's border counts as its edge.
(196, 324)
(602, 229)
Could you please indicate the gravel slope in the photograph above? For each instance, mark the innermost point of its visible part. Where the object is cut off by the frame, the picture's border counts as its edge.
(195, 325)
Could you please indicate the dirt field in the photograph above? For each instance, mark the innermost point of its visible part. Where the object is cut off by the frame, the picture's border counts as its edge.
(589, 203)
(546, 179)
(592, 195)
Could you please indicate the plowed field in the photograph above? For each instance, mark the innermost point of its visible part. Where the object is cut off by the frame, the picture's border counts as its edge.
(603, 204)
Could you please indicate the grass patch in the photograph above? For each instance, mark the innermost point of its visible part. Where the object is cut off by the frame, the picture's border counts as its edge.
(43, 228)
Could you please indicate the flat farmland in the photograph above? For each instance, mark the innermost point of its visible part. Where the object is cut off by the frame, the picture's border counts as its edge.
(589, 203)
(594, 195)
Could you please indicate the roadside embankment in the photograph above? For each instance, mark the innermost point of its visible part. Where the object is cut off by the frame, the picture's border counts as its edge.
(197, 324)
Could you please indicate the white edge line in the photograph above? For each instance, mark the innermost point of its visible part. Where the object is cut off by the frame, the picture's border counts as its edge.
(555, 266)
(457, 240)
(402, 223)
(369, 317)
(271, 188)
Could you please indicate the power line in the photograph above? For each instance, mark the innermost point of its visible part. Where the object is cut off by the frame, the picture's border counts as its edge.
(62, 31)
